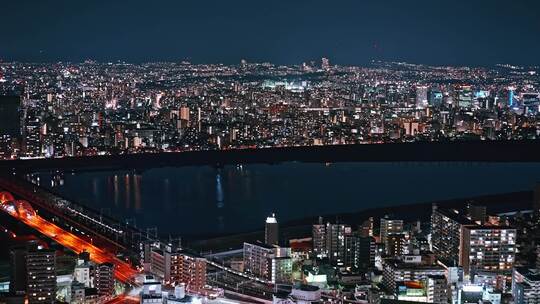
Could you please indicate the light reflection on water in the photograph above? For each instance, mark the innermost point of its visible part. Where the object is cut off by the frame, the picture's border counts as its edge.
(205, 200)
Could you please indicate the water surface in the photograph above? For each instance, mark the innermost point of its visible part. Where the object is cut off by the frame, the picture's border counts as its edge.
(206, 201)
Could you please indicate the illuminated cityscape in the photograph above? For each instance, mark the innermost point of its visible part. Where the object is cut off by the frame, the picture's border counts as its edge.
(69, 109)
(282, 152)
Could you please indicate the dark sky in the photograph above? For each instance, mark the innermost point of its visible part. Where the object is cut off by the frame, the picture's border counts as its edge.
(456, 32)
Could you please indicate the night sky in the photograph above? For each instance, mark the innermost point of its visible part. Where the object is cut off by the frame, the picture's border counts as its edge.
(454, 32)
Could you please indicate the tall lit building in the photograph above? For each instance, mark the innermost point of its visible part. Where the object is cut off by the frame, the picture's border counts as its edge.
(325, 63)
(319, 239)
(446, 228)
(271, 231)
(188, 269)
(491, 248)
(175, 266)
(359, 251)
(408, 269)
(104, 279)
(464, 96)
(389, 226)
(41, 275)
(335, 242)
(184, 113)
(525, 285)
(459, 241)
(271, 263)
(421, 96)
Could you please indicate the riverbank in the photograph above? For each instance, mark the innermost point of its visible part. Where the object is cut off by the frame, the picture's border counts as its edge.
(454, 151)
(497, 203)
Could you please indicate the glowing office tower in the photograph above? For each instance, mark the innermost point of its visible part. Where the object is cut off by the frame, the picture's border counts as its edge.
(421, 96)
(271, 231)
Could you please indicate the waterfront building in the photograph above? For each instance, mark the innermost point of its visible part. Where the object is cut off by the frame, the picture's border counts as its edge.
(271, 231)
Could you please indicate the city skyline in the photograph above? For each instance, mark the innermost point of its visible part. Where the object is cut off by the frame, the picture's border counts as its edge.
(278, 152)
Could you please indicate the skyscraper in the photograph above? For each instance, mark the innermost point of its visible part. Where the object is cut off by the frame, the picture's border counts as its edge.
(271, 231)
(421, 96)
(41, 275)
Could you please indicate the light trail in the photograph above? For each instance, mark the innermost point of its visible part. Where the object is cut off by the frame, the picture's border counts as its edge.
(22, 211)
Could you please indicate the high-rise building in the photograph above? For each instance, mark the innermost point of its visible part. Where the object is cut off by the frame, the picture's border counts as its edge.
(435, 97)
(359, 251)
(319, 239)
(104, 279)
(10, 121)
(397, 270)
(271, 231)
(421, 96)
(459, 241)
(525, 285)
(464, 96)
(395, 244)
(329, 241)
(366, 229)
(17, 279)
(188, 269)
(272, 263)
(335, 242)
(325, 63)
(41, 275)
(177, 266)
(489, 248)
(389, 226)
(257, 258)
(184, 113)
(446, 234)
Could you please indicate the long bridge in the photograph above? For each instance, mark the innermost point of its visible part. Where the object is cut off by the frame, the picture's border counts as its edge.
(75, 227)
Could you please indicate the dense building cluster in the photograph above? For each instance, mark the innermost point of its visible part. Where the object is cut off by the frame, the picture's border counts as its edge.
(455, 257)
(73, 109)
